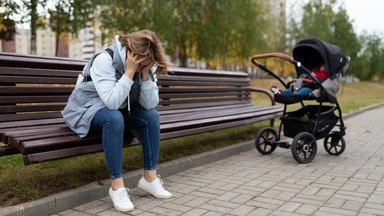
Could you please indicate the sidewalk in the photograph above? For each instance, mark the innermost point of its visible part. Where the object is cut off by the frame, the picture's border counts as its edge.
(253, 184)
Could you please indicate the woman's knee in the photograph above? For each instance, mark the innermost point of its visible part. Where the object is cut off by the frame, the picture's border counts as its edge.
(114, 118)
(151, 115)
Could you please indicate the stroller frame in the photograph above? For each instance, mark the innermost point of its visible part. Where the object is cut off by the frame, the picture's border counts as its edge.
(318, 125)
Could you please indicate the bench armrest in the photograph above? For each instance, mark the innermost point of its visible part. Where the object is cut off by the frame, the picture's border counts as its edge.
(260, 90)
(265, 92)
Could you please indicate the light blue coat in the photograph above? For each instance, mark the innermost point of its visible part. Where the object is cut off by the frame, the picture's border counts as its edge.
(109, 88)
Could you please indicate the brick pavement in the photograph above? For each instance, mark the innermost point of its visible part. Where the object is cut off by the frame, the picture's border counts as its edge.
(253, 184)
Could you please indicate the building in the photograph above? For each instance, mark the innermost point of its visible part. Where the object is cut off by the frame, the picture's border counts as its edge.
(78, 48)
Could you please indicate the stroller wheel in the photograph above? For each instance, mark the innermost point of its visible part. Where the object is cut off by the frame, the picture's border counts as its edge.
(334, 144)
(304, 147)
(265, 140)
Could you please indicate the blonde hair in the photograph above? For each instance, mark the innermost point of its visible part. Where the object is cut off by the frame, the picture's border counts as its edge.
(146, 43)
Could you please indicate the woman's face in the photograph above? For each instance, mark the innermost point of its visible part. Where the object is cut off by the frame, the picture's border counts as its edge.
(146, 62)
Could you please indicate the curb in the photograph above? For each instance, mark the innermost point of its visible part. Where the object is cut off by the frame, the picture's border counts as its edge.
(96, 190)
(357, 112)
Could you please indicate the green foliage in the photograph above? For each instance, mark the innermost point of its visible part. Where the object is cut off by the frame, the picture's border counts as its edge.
(7, 25)
(371, 58)
(215, 31)
(320, 19)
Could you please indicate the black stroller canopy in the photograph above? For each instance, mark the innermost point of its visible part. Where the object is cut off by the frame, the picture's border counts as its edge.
(311, 52)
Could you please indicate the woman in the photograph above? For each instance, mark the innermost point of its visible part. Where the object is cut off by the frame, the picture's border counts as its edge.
(117, 96)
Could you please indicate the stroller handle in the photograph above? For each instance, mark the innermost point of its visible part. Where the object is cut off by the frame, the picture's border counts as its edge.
(269, 55)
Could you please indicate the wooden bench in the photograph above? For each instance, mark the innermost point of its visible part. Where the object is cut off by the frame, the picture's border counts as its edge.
(34, 89)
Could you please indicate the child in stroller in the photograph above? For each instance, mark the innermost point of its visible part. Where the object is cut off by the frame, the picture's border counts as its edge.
(310, 122)
(319, 72)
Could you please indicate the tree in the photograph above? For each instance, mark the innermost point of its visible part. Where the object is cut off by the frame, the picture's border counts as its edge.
(231, 31)
(7, 24)
(371, 59)
(34, 18)
(69, 16)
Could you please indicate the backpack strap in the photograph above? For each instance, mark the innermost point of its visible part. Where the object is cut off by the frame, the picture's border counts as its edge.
(110, 51)
(89, 78)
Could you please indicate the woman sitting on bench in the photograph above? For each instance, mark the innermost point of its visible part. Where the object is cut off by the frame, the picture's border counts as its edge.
(119, 94)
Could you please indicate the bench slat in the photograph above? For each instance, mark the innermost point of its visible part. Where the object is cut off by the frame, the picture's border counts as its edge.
(212, 107)
(206, 72)
(206, 79)
(32, 99)
(37, 80)
(197, 83)
(189, 95)
(31, 61)
(19, 117)
(31, 108)
(178, 107)
(200, 90)
(66, 153)
(16, 71)
(163, 102)
(7, 133)
(26, 123)
(14, 137)
(40, 90)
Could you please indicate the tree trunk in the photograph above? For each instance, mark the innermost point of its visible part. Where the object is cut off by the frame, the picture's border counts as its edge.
(34, 18)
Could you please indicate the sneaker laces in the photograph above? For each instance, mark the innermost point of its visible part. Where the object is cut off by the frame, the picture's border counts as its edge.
(161, 180)
(124, 194)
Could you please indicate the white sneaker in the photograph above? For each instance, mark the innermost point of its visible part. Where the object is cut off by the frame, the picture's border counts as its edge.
(155, 188)
(120, 199)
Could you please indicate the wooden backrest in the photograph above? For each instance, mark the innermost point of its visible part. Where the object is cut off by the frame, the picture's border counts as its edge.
(188, 88)
(36, 87)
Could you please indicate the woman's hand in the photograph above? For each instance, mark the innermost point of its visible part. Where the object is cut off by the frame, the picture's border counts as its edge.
(132, 62)
(145, 71)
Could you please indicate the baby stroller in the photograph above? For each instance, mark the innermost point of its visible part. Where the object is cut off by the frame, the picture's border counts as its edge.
(310, 122)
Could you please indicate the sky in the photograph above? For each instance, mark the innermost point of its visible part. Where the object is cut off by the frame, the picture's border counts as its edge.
(367, 15)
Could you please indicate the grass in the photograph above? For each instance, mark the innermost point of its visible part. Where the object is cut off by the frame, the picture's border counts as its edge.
(19, 183)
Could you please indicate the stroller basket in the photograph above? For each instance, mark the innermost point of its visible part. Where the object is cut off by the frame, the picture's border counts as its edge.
(304, 120)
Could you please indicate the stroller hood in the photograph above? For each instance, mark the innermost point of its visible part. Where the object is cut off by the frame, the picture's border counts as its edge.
(311, 52)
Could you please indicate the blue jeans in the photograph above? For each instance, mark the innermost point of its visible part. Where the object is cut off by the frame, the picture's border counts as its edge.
(303, 90)
(114, 123)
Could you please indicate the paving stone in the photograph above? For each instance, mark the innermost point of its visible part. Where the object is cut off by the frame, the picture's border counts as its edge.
(165, 211)
(197, 202)
(195, 212)
(307, 209)
(228, 196)
(352, 205)
(242, 210)
(290, 206)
